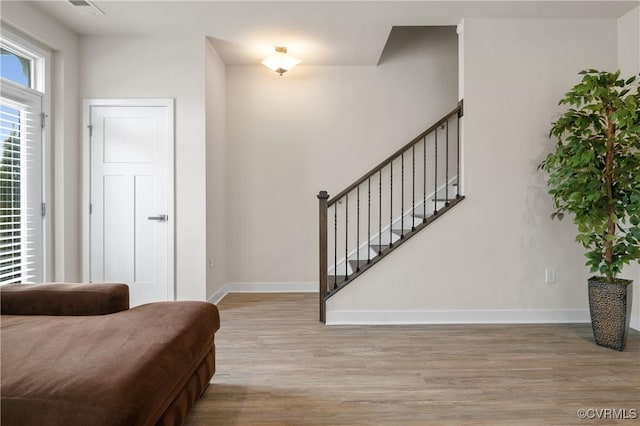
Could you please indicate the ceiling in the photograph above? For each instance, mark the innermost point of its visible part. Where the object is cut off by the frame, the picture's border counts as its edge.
(318, 32)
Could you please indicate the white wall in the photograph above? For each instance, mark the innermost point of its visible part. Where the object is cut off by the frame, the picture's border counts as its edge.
(66, 145)
(629, 64)
(629, 42)
(216, 108)
(486, 259)
(318, 128)
(169, 66)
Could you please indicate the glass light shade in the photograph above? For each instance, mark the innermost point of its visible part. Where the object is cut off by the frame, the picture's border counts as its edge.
(280, 61)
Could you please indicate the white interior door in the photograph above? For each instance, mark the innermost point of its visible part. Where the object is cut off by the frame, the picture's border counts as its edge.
(131, 187)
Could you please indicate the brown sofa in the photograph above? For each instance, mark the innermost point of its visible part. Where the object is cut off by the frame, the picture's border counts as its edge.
(75, 354)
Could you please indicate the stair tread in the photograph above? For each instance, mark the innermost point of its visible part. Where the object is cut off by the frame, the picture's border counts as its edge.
(423, 216)
(356, 265)
(399, 231)
(336, 280)
(378, 248)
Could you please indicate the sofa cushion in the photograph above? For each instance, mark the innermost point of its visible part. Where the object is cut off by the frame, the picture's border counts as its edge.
(63, 299)
(118, 369)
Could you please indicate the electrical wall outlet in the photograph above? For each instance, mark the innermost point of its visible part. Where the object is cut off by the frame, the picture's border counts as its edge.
(550, 275)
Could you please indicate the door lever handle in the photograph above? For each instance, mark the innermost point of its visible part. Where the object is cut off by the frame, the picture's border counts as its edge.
(159, 218)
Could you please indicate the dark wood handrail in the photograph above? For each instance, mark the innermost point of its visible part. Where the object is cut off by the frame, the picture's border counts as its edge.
(458, 110)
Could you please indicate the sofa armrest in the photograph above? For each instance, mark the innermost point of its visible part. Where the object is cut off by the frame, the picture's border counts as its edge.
(63, 299)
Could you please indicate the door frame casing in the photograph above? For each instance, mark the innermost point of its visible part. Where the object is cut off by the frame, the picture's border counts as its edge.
(86, 180)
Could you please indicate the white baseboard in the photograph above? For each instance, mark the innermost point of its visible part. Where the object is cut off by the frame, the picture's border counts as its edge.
(216, 297)
(258, 287)
(457, 317)
(635, 323)
(507, 316)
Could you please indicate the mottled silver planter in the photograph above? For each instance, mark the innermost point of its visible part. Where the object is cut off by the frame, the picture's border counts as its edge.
(610, 307)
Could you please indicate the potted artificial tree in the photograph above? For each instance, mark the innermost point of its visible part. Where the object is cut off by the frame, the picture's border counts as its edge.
(594, 174)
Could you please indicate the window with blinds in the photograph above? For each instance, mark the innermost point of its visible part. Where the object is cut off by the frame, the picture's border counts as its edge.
(21, 160)
(20, 191)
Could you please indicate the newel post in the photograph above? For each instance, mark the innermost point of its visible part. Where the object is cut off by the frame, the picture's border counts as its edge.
(323, 196)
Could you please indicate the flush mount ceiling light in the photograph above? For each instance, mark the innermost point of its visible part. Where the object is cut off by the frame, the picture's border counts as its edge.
(280, 61)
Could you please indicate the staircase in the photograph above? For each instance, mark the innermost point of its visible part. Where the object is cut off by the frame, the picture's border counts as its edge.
(388, 205)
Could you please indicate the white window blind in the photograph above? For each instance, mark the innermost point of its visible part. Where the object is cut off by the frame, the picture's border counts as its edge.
(21, 222)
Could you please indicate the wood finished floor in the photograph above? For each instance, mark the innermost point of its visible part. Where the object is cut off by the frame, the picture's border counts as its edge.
(276, 365)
